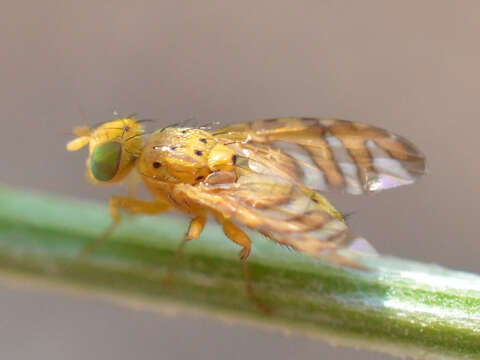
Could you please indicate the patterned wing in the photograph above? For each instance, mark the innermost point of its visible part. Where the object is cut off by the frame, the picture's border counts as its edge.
(326, 154)
(290, 215)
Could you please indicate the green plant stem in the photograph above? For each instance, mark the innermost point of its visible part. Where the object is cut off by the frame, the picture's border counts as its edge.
(401, 307)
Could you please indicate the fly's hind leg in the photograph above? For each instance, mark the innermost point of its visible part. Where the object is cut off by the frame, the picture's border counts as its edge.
(129, 204)
(194, 230)
(239, 237)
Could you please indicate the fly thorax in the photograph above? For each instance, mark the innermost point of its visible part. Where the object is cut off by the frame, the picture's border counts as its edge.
(177, 155)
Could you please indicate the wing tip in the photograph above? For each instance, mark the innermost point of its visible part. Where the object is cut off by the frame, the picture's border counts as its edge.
(352, 254)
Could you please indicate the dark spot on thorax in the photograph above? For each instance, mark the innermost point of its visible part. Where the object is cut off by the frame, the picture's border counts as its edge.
(198, 153)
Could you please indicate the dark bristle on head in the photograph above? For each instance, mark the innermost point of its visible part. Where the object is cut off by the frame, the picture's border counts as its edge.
(203, 140)
(198, 153)
(156, 164)
(144, 120)
(348, 215)
(138, 135)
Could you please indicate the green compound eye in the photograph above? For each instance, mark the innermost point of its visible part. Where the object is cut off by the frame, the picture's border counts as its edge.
(105, 160)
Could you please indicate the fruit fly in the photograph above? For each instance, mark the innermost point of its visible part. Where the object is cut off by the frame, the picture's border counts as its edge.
(266, 175)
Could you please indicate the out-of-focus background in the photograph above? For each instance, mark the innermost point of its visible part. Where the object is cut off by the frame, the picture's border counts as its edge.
(409, 66)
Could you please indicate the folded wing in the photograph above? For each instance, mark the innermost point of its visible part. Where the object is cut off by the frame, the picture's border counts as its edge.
(326, 154)
(288, 214)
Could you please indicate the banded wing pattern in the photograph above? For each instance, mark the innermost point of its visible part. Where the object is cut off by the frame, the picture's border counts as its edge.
(326, 154)
(286, 213)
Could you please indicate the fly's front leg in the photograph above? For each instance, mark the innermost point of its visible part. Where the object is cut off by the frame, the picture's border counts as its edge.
(239, 237)
(131, 205)
(194, 230)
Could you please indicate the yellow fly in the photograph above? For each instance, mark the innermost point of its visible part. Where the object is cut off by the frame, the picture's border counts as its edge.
(264, 175)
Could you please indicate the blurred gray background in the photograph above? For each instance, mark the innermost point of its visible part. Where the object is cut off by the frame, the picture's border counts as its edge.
(409, 66)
